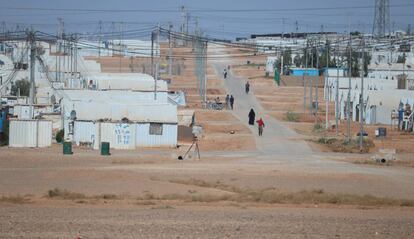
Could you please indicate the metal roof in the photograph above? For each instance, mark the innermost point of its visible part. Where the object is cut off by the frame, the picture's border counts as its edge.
(127, 81)
(116, 105)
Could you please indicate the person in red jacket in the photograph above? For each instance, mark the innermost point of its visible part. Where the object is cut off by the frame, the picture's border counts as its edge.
(261, 125)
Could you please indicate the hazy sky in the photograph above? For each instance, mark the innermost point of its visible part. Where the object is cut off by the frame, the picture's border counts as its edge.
(220, 24)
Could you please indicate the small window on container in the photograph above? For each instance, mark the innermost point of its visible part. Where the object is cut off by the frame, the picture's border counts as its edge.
(155, 129)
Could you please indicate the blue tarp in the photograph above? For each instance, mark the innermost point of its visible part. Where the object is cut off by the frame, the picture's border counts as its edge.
(2, 119)
(307, 72)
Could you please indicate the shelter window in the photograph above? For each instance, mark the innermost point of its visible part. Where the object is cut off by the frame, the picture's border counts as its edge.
(155, 129)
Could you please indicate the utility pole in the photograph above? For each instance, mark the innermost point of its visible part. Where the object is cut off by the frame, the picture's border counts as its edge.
(304, 79)
(121, 46)
(170, 60)
(281, 62)
(205, 71)
(100, 39)
(337, 92)
(326, 88)
(348, 110)
(184, 24)
(158, 62)
(76, 53)
(187, 18)
(196, 27)
(317, 87)
(311, 84)
(361, 101)
(61, 33)
(296, 28)
(32, 40)
(152, 53)
(64, 56)
(113, 37)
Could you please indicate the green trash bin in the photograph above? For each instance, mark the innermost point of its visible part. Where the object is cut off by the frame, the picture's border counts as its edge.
(105, 148)
(67, 148)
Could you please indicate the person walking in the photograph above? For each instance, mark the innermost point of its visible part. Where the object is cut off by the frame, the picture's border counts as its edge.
(225, 74)
(231, 101)
(401, 112)
(247, 87)
(227, 102)
(252, 116)
(260, 125)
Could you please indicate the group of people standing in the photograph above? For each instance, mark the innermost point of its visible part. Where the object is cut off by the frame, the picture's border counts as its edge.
(229, 102)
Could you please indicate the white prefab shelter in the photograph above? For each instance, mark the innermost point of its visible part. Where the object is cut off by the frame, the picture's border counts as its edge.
(30, 133)
(125, 119)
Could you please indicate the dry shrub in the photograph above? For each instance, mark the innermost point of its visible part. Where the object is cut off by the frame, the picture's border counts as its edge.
(15, 199)
(292, 116)
(205, 184)
(64, 194)
(342, 146)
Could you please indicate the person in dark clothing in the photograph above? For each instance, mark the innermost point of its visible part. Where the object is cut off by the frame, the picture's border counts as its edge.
(227, 102)
(231, 101)
(401, 112)
(247, 88)
(225, 74)
(261, 125)
(252, 115)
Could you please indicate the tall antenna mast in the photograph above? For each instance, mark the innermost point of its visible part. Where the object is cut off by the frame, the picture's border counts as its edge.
(381, 24)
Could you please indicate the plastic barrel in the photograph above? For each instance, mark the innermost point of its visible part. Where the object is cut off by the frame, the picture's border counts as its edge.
(382, 132)
(105, 148)
(67, 148)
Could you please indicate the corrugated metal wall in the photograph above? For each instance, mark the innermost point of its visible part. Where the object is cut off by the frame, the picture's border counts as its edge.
(85, 132)
(124, 135)
(167, 139)
(30, 133)
(44, 134)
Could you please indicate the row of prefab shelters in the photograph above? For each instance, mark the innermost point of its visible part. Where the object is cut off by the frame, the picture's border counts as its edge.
(74, 96)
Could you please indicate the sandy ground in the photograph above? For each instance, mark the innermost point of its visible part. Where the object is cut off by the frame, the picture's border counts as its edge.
(202, 222)
(138, 173)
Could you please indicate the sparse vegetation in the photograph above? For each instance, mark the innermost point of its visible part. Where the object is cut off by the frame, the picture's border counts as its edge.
(162, 207)
(342, 146)
(68, 195)
(64, 194)
(204, 184)
(20, 86)
(318, 127)
(273, 196)
(292, 116)
(15, 199)
(232, 194)
(59, 136)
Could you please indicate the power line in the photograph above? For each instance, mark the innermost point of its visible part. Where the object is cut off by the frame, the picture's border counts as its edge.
(200, 10)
